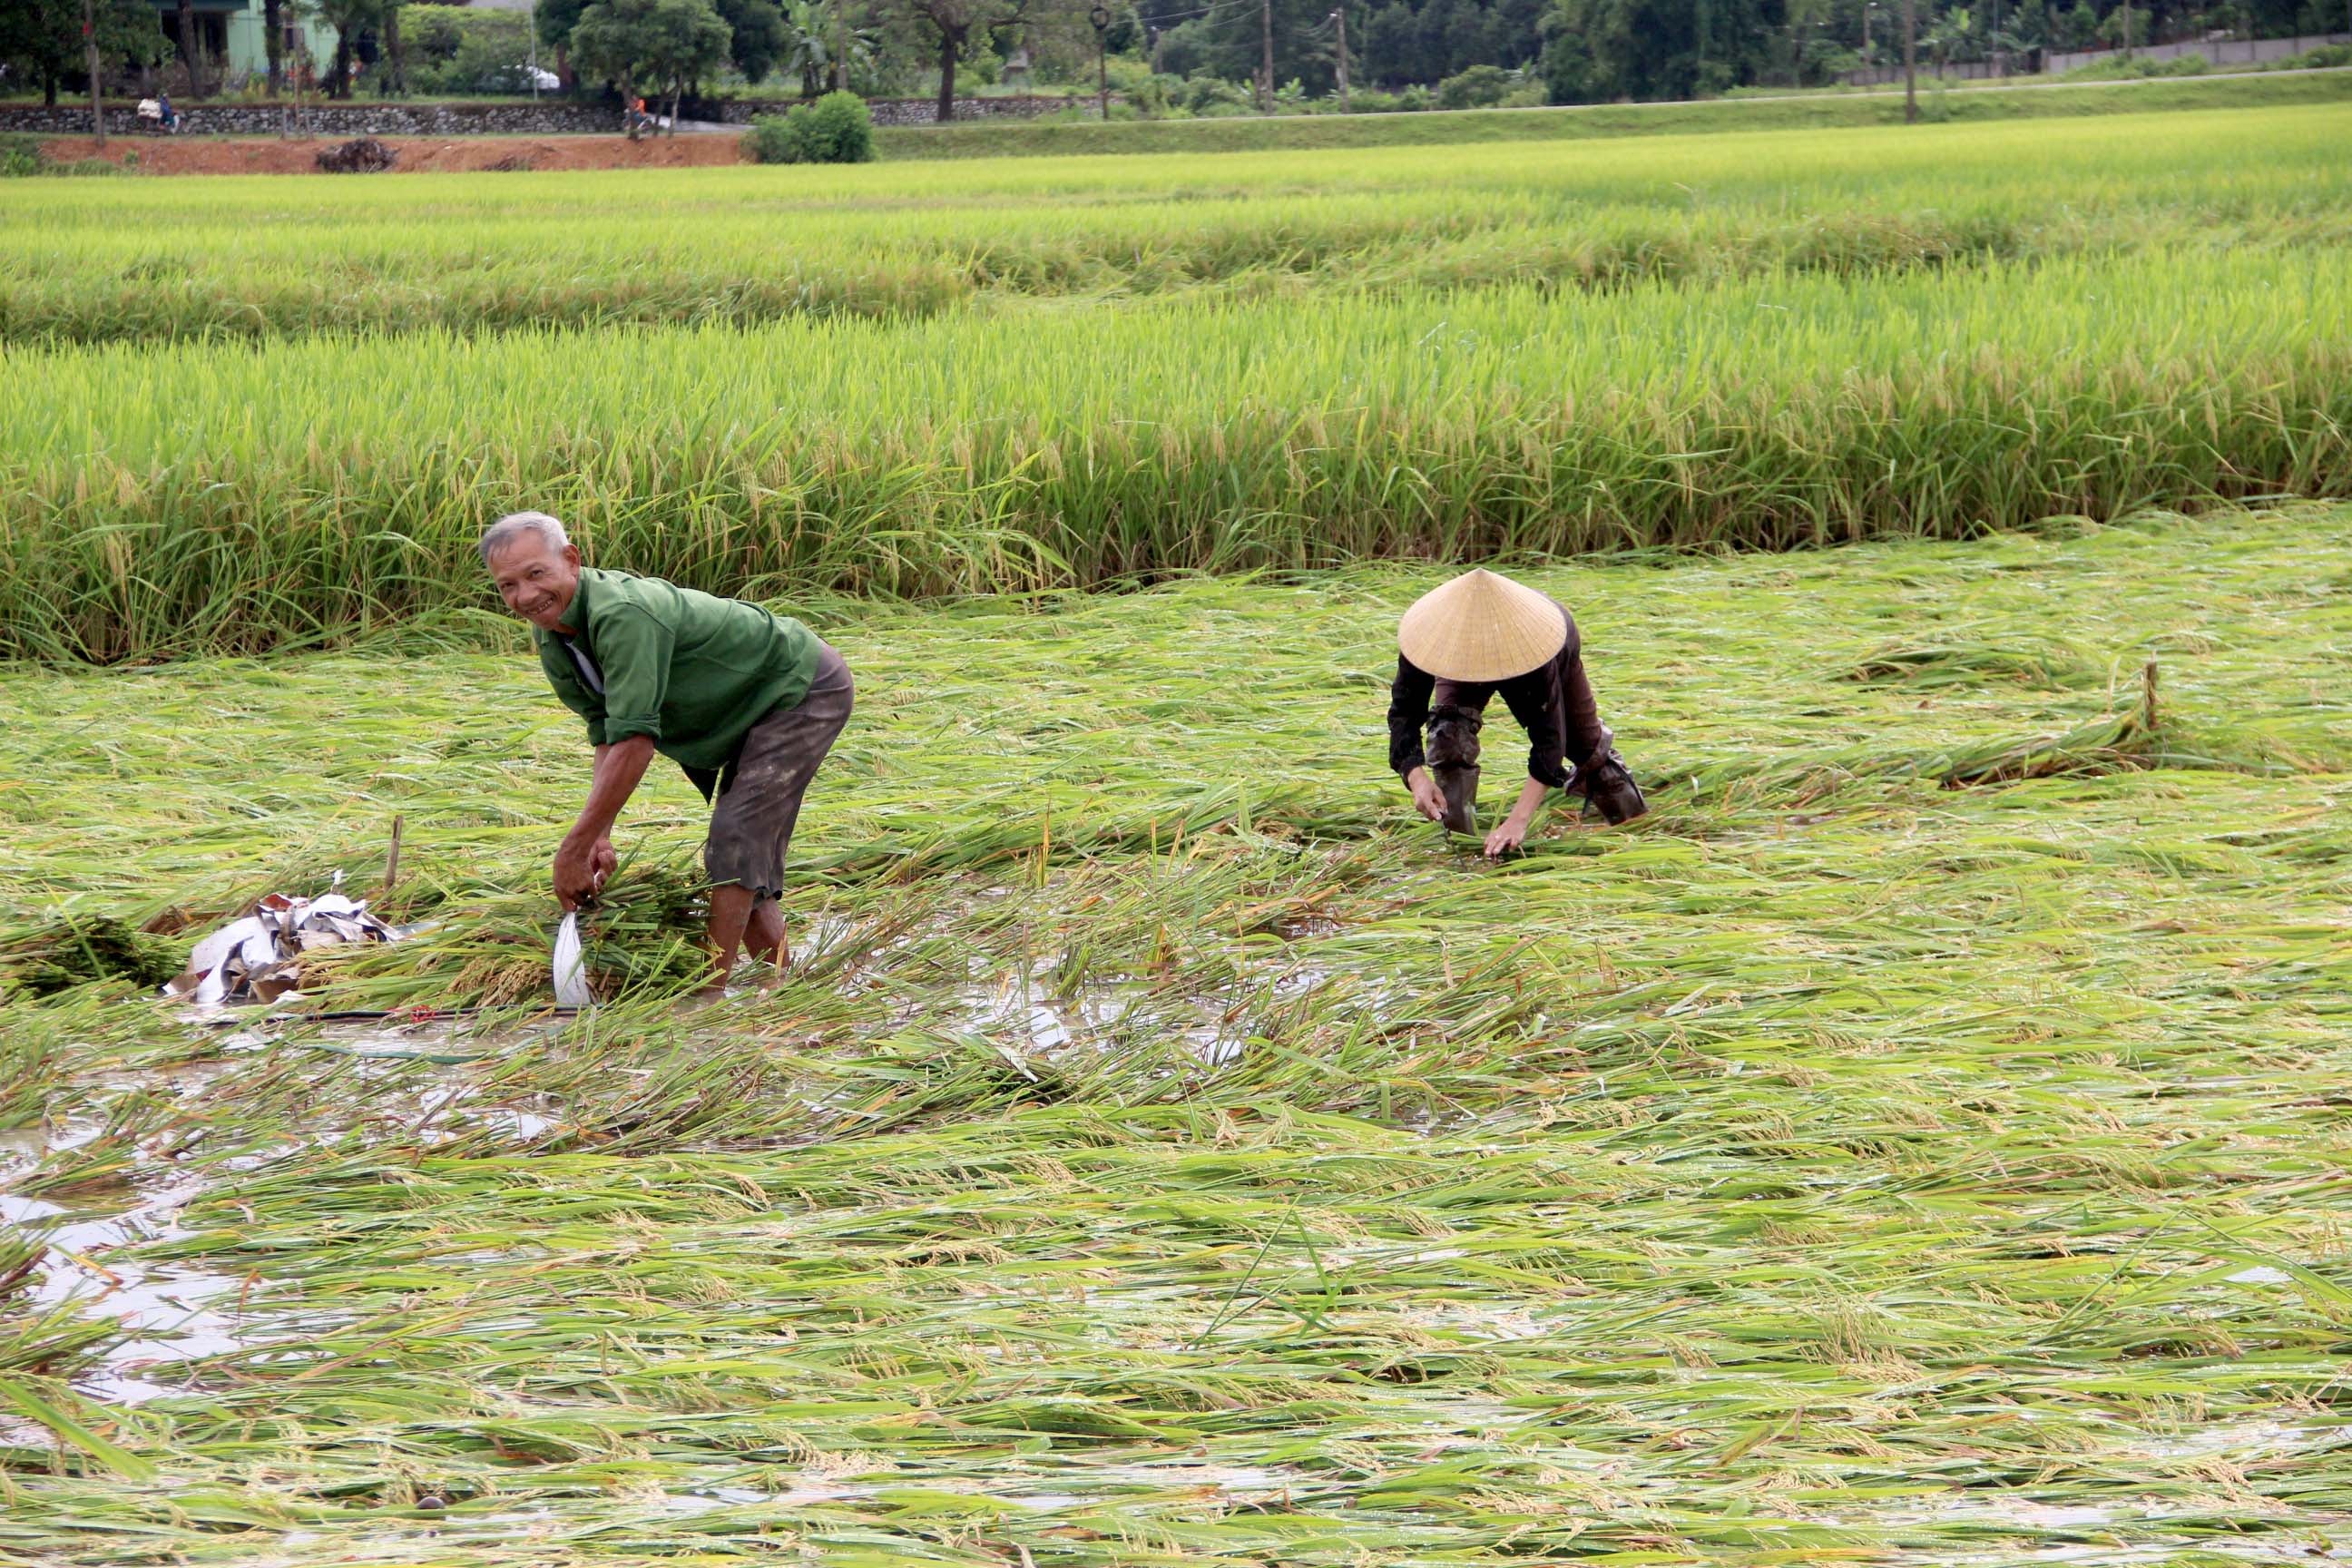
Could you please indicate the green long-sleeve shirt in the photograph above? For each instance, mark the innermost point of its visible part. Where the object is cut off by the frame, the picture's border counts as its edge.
(691, 669)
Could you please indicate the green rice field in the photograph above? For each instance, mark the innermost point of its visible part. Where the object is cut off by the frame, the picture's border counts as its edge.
(1094, 371)
(1920, 1139)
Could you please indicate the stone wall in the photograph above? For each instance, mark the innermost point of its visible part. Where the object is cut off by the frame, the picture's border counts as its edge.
(2219, 53)
(548, 117)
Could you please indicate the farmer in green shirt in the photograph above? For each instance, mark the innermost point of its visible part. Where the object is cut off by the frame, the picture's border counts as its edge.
(746, 701)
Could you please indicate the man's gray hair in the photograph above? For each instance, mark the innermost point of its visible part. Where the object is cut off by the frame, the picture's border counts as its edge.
(515, 525)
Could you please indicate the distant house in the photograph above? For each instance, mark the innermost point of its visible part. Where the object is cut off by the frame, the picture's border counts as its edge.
(233, 36)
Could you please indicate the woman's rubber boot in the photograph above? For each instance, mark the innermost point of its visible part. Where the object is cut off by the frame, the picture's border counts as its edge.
(1461, 787)
(1453, 763)
(1609, 788)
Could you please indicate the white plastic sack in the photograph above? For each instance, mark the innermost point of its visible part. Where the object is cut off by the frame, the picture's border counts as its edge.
(570, 967)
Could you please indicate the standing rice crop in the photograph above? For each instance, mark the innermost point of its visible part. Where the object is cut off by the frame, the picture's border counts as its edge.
(153, 502)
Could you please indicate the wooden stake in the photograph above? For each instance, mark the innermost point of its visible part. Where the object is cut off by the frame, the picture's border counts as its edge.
(2147, 698)
(391, 859)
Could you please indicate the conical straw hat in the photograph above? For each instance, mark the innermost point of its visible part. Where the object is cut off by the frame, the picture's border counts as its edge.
(1481, 626)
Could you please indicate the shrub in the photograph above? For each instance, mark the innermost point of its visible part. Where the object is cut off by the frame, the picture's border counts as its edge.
(1480, 86)
(1209, 95)
(835, 129)
(21, 157)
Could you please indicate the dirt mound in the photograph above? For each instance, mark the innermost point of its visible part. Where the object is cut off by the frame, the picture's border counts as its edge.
(362, 155)
(413, 154)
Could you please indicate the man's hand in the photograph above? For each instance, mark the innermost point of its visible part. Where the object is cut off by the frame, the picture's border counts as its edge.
(1427, 798)
(581, 869)
(1509, 834)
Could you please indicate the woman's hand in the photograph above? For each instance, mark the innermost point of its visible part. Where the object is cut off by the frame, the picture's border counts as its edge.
(1427, 798)
(1509, 834)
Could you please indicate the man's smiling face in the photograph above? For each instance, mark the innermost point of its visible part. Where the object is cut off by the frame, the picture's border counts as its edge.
(537, 579)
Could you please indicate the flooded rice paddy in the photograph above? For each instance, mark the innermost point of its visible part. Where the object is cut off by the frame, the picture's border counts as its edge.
(1165, 1150)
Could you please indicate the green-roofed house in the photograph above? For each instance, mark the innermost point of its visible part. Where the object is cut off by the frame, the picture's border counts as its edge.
(233, 37)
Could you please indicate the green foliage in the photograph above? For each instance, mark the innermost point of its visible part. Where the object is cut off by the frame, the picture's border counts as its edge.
(1480, 86)
(757, 35)
(42, 46)
(556, 19)
(807, 33)
(655, 44)
(835, 129)
(457, 50)
(1600, 51)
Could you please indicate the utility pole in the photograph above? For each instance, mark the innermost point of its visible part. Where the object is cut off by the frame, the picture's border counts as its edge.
(1155, 51)
(1910, 62)
(1101, 18)
(1340, 17)
(1266, 67)
(90, 51)
(839, 64)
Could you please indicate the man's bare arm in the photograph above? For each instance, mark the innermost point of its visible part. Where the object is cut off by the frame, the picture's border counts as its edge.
(620, 767)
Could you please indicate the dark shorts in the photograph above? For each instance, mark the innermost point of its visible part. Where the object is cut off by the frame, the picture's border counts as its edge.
(759, 795)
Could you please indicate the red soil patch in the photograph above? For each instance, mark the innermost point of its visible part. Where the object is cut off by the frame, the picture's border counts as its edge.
(442, 154)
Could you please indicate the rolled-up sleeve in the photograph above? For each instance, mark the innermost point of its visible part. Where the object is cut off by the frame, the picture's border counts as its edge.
(1529, 699)
(1408, 711)
(632, 649)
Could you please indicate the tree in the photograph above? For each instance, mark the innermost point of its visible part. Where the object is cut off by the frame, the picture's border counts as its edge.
(1467, 40)
(395, 78)
(555, 19)
(651, 43)
(1597, 51)
(41, 39)
(757, 35)
(1306, 46)
(1389, 51)
(190, 49)
(348, 18)
(273, 41)
(955, 22)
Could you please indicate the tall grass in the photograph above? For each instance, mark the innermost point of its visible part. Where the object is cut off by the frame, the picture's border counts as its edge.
(160, 502)
(147, 260)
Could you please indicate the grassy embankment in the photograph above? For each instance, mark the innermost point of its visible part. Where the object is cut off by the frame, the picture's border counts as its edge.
(1729, 361)
(1170, 1153)
(1000, 138)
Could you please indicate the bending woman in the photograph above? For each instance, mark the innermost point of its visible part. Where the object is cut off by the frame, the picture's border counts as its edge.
(1459, 646)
